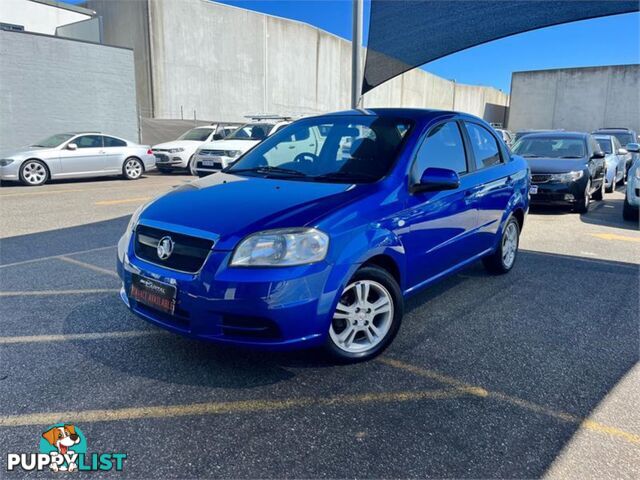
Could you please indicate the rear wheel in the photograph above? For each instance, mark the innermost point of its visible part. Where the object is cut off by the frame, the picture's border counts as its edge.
(132, 168)
(367, 316)
(504, 258)
(612, 187)
(33, 173)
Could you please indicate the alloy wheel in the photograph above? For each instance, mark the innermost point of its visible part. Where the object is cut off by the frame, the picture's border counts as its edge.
(509, 245)
(133, 168)
(363, 316)
(34, 173)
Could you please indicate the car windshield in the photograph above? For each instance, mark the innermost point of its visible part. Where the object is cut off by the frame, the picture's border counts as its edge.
(605, 145)
(197, 134)
(339, 149)
(623, 137)
(54, 140)
(251, 131)
(550, 147)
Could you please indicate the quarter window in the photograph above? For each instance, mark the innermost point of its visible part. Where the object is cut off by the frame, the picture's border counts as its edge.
(114, 142)
(88, 141)
(484, 145)
(443, 148)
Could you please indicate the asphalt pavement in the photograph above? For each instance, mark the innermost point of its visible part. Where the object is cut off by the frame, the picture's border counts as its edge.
(530, 374)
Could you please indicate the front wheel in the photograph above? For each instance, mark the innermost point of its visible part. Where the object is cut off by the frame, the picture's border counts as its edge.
(612, 187)
(583, 206)
(33, 173)
(504, 258)
(367, 317)
(599, 194)
(132, 168)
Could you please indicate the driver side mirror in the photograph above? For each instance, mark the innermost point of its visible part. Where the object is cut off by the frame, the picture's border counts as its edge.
(218, 136)
(72, 146)
(435, 179)
(633, 147)
(598, 154)
(622, 151)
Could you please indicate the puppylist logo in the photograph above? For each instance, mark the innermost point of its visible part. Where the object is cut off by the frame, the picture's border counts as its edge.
(63, 448)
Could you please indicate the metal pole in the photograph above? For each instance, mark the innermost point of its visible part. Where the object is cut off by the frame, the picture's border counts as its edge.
(356, 51)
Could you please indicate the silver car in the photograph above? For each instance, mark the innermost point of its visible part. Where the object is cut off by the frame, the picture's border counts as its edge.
(616, 160)
(76, 155)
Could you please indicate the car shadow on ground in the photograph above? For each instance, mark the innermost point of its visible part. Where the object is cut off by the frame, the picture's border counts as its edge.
(557, 332)
(609, 214)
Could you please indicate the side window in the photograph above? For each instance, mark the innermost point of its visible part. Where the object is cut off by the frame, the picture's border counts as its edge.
(484, 145)
(114, 142)
(443, 148)
(88, 141)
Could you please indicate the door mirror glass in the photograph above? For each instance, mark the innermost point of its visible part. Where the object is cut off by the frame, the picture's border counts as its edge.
(633, 147)
(218, 136)
(435, 179)
(622, 151)
(72, 146)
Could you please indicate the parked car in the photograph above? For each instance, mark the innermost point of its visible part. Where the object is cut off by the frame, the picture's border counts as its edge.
(625, 136)
(615, 160)
(211, 157)
(76, 155)
(178, 154)
(507, 136)
(302, 247)
(632, 192)
(567, 168)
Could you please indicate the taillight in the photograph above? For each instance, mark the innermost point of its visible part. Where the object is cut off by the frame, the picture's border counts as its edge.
(149, 152)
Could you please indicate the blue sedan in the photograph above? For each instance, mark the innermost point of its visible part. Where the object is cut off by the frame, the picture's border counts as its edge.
(321, 245)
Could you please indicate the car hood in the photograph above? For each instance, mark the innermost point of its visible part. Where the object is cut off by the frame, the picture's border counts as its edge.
(178, 144)
(242, 145)
(233, 206)
(556, 165)
(26, 152)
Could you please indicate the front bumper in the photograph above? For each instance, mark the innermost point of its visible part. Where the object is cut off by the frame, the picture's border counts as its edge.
(10, 172)
(267, 308)
(207, 164)
(171, 160)
(560, 194)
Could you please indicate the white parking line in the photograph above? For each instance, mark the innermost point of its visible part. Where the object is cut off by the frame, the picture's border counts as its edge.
(38, 293)
(79, 336)
(88, 266)
(42, 259)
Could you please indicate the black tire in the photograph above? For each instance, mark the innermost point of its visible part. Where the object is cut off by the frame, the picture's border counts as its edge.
(599, 194)
(583, 206)
(628, 212)
(33, 173)
(623, 180)
(382, 277)
(189, 163)
(132, 168)
(495, 263)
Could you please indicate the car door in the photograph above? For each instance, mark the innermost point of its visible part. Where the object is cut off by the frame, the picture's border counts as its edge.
(115, 152)
(494, 184)
(597, 166)
(86, 159)
(438, 226)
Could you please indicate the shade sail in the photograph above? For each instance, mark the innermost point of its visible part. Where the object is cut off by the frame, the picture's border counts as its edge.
(404, 34)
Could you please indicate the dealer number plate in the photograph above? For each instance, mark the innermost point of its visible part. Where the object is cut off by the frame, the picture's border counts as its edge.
(154, 294)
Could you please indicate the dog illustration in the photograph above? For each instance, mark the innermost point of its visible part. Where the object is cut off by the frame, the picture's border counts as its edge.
(62, 438)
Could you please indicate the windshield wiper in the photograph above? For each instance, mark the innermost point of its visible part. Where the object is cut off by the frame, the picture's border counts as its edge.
(530, 156)
(572, 156)
(268, 170)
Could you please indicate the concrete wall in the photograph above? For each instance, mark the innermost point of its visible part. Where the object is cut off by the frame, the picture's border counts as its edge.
(226, 62)
(95, 89)
(38, 17)
(580, 99)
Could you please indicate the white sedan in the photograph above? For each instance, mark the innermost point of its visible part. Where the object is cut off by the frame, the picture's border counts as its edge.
(76, 155)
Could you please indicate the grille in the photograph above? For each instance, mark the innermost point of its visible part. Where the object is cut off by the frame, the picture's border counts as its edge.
(543, 178)
(215, 166)
(189, 253)
(220, 153)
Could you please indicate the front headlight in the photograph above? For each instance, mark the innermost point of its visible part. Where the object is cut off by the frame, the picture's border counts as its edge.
(566, 177)
(133, 221)
(6, 161)
(234, 153)
(280, 248)
(176, 150)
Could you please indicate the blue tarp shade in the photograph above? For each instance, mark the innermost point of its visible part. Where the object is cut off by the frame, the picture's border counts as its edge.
(404, 34)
